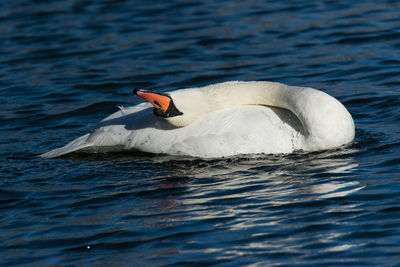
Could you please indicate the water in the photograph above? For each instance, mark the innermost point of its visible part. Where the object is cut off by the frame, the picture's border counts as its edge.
(65, 65)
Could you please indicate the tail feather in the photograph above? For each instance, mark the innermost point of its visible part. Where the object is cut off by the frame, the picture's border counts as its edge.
(75, 145)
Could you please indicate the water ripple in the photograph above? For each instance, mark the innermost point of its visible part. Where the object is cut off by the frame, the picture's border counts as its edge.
(68, 64)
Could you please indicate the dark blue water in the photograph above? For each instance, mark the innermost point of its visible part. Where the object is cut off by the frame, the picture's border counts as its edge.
(65, 65)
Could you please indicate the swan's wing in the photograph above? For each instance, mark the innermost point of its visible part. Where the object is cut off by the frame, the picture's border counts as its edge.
(242, 130)
(228, 132)
(108, 134)
(75, 145)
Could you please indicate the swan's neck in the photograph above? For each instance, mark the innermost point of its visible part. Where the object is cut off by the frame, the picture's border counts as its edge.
(322, 116)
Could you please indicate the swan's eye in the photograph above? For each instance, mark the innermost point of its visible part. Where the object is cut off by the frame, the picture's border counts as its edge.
(158, 112)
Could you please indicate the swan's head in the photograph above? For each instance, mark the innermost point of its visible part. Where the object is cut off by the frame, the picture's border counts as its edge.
(178, 107)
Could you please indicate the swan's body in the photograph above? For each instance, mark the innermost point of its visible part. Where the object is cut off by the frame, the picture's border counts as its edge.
(226, 119)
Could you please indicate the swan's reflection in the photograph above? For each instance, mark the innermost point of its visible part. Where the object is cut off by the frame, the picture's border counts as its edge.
(258, 182)
(317, 175)
(250, 199)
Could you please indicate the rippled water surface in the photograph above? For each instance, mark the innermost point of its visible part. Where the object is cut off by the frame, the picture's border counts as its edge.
(65, 65)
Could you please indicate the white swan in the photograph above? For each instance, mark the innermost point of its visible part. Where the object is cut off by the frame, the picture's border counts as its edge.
(223, 119)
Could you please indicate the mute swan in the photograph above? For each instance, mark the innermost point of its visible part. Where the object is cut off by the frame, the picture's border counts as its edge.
(223, 119)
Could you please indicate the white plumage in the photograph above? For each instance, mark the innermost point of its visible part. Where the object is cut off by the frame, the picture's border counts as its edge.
(225, 119)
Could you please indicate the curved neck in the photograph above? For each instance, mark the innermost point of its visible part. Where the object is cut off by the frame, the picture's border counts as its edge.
(233, 94)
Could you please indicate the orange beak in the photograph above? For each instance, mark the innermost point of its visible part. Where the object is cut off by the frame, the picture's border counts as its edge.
(158, 100)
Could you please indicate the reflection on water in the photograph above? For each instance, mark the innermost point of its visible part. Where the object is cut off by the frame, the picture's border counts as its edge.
(251, 198)
(252, 184)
